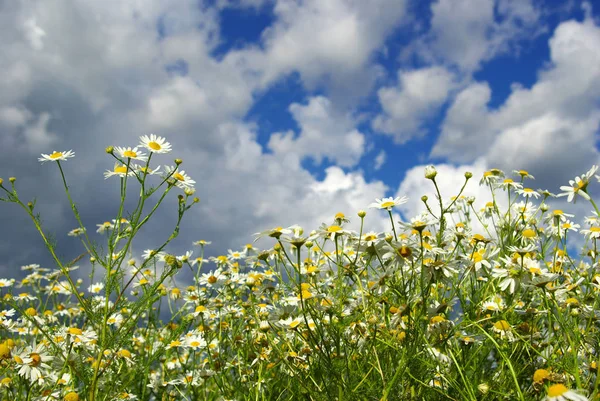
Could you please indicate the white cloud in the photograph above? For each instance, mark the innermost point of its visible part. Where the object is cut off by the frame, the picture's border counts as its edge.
(324, 132)
(329, 43)
(467, 32)
(418, 96)
(549, 127)
(380, 160)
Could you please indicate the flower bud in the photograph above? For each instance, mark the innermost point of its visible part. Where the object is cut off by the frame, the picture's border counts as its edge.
(178, 161)
(1, 181)
(12, 179)
(468, 175)
(362, 214)
(92, 260)
(430, 172)
(309, 244)
(389, 237)
(196, 200)
(109, 150)
(424, 198)
(189, 191)
(544, 207)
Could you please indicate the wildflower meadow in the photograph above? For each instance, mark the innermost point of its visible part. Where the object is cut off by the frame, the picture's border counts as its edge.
(463, 302)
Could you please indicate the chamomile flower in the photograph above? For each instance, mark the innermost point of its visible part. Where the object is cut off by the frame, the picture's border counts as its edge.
(32, 362)
(141, 170)
(96, 288)
(179, 177)
(528, 192)
(560, 392)
(578, 186)
(524, 174)
(120, 170)
(57, 156)
(102, 228)
(388, 203)
(129, 153)
(592, 232)
(76, 232)
(155, 144)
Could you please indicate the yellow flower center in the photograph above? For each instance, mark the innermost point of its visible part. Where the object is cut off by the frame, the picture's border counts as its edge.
(179, 177)
(129, 153)
(558, 212)
(556, 390)
(595, 229)
(212, 279)
(528, 233)
(387, 204)
(125, 353)
(540, 375)
(508, 181)
(523, 172)
(502, 325)
(56, 155)
(195, 344)
(36, 359)
(75, 331)
(334, 229)
(154, 145)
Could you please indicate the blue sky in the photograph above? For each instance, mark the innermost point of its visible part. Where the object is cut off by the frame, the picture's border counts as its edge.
(287, 111)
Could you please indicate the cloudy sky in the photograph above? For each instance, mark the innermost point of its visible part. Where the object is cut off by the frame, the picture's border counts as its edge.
(288, 111)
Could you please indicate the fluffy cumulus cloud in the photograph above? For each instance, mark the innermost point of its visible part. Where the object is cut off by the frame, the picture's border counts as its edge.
(406, 107)
(465, 33)
(324, 133)
(84, 75)
(329, 43)
(549, 128)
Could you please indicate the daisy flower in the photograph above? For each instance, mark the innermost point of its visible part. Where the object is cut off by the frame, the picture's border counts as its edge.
(145, 170)
(388, 203)
(182, 180)
(129, 153)
(155, 144)
(559, 392)
(56, 156)
(107, 225)
(32, 361)
(119, 169)
(578, 186)
(593, 232)
(523, 174)
(76, 232)
(527, 192)
(509, 183)
(504, 330)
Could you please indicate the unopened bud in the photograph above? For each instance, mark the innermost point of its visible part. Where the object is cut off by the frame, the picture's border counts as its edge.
(12, 179)
(109, 150)
(362, 214)
(389, 237)
(544, 207)
(180, 197)
(430, 172)
(309, 244)
(178, 161)
(196, 200)
(1, 181)
(189, 191)
(92, 260)
(424, 198)
(30, 205)
(468, 175)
